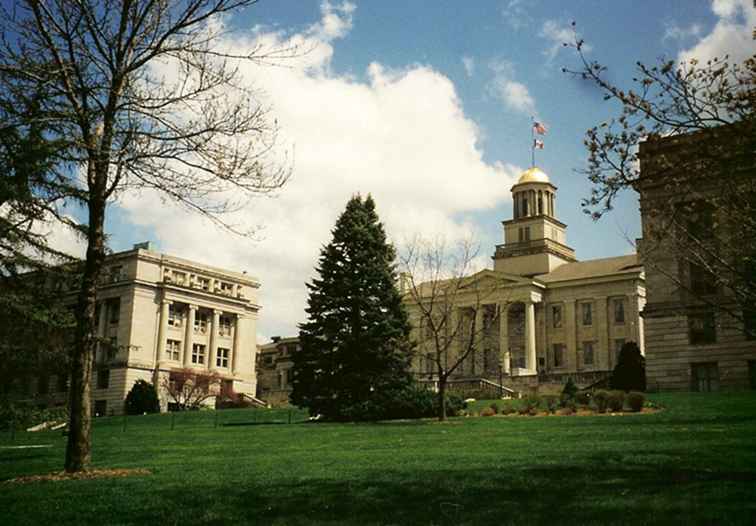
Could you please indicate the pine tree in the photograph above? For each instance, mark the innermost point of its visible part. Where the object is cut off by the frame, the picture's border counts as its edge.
(355, 351)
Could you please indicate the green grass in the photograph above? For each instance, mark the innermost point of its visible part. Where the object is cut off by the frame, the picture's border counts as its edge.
(693, 463)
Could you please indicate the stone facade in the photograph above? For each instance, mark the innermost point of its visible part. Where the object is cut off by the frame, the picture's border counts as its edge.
(552, 317)
(274, 365)
(160, 313)
(693, 342)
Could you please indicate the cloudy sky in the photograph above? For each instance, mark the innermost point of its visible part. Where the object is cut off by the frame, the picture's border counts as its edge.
(427, 107)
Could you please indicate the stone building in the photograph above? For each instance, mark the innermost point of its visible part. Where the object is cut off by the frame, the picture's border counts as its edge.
(274, 363)
(160, 313)
(698, 198)
(546, 316)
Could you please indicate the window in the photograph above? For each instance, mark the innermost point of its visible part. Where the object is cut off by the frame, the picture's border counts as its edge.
(203, 283)
(103, 378)
(702, 328)
(221, 360)
(174, 316)
(524, 205)
(618, 344)
(227, 289)
(224, 328)
(527, 233)
(100, 407)
(43, 384)
(587, 353)
(198, 353)
(200, 322)
(587, 314)
(116, 273)
(556, 316)
(558, 351)
(173, 350)
(61, 383)
(112, 348)
(702, 282)
(114, 309)
(269, 360)
(704, 377)
(619, 311)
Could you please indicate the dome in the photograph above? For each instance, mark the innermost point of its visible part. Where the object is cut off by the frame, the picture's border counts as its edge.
(533, 175)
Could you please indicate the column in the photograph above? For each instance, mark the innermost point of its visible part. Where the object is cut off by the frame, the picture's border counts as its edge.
(530, 346)
(162, 324)
(504, 357)
(237, 343)
(603, 325)
(188, 334)
(101, 324)
(476, 365)
(213, 339)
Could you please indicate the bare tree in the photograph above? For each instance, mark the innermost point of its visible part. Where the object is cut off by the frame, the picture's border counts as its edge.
(684, 137)
(190, 388)
(138, 96)
(453, 310)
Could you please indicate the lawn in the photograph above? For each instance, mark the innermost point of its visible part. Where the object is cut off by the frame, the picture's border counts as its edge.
(693, 463)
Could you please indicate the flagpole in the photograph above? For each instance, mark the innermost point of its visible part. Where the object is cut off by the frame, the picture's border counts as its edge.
(532, 142)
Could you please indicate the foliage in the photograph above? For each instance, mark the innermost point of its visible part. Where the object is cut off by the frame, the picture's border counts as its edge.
(583, 397)
(495, 408)
(190, 388)
(355, 353)
(412, 402)
(570, 389)
(488, 411)
(635, 401)
(601, 400)
(529, 405)
(25, 415)
(142, 398)
(615, 401)
(630, 372)
(551, 402)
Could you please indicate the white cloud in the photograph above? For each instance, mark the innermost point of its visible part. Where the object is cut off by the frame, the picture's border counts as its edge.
(401, 135)
(515, 13)
(672, 31)
(558, 34)
(469, 64)
(515, 95)
(731, 35)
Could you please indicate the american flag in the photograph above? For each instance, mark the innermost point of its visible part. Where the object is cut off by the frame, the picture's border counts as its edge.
(538, 144)
(539, 128)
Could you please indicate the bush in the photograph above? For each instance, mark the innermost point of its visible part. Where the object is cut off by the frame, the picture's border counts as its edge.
(635, 401)
(488, 411)
(495, 408)
(551, 402)
(529, 405)
(24, 416)
(508, 409)
(413, 402)
(583, 398)
(567, 410)
(616, 401)
(570, 389)
(600, 399)
(630, 372)
(142, 399)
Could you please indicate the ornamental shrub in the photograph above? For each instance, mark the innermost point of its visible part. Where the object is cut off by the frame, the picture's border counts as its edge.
(630, 372)
(570, 389)
(551, 402)
(601, 400)
(495, 408)
(487, 412)
(583, 397)
(616, 401)
(142, 398)
(635, 401)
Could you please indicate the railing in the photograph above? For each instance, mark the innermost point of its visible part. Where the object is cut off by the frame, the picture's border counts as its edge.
(474, 387)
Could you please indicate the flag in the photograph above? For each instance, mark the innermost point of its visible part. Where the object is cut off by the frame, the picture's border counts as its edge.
(538, 144)
(539, 128)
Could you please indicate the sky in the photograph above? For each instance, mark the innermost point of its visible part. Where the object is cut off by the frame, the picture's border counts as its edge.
(427, 106)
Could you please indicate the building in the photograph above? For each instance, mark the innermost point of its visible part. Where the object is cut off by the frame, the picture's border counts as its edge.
(274, 363)
(160, 313)
(546, 316)
(698, 202)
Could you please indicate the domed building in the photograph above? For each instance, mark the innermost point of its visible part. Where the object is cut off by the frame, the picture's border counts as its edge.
(545, 316)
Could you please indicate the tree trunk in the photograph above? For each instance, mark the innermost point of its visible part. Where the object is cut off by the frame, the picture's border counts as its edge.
(78, 449)
(441, 399)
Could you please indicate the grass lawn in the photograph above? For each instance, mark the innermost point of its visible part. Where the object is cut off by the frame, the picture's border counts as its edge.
(693, 463)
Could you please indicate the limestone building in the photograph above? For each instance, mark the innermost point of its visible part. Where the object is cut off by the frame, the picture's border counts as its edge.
(698, 203)
(545, 315)
(161, 313)
(274, 363)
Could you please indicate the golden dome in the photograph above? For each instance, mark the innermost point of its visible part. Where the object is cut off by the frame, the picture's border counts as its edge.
(533, 175)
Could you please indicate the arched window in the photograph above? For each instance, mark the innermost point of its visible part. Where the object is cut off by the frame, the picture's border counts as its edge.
(540, 203)
(516, 202)
(524, 204)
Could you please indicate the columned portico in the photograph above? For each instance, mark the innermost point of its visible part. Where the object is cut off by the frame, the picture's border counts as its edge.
(530, 339)
(504, 357)
(165, 305)
(211, 363)
(237, 343)
(189, 333)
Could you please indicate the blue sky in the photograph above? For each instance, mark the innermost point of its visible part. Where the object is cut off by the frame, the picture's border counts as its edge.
(427, 105)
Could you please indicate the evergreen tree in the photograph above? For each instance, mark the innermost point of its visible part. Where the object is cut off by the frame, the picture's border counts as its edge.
(142, 398)
(630, 372)
(355, 351)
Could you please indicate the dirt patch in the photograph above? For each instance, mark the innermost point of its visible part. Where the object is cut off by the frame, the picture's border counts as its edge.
(81, 475)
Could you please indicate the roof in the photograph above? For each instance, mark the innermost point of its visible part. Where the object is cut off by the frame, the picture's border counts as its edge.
(593, 268)
(533, 175)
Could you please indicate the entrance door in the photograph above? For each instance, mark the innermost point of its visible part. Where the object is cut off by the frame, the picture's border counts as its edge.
(705, 377)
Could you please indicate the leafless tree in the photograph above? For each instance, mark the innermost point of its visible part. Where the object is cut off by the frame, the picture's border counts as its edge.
(684, 136)
(138, 96)
(452, 309)
(190, 388)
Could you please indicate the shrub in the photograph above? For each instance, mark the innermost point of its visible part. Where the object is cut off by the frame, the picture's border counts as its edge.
(23, 416)
(570, 389)
(495, 408)
(583, 397)
(635, 401)
(567, 410)
(551, 402)
(529, 405)
(142, 398)
(630, 372)
(600, 399)
(412, 402)
(508, 409)
(488, 411)
(615, 401)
